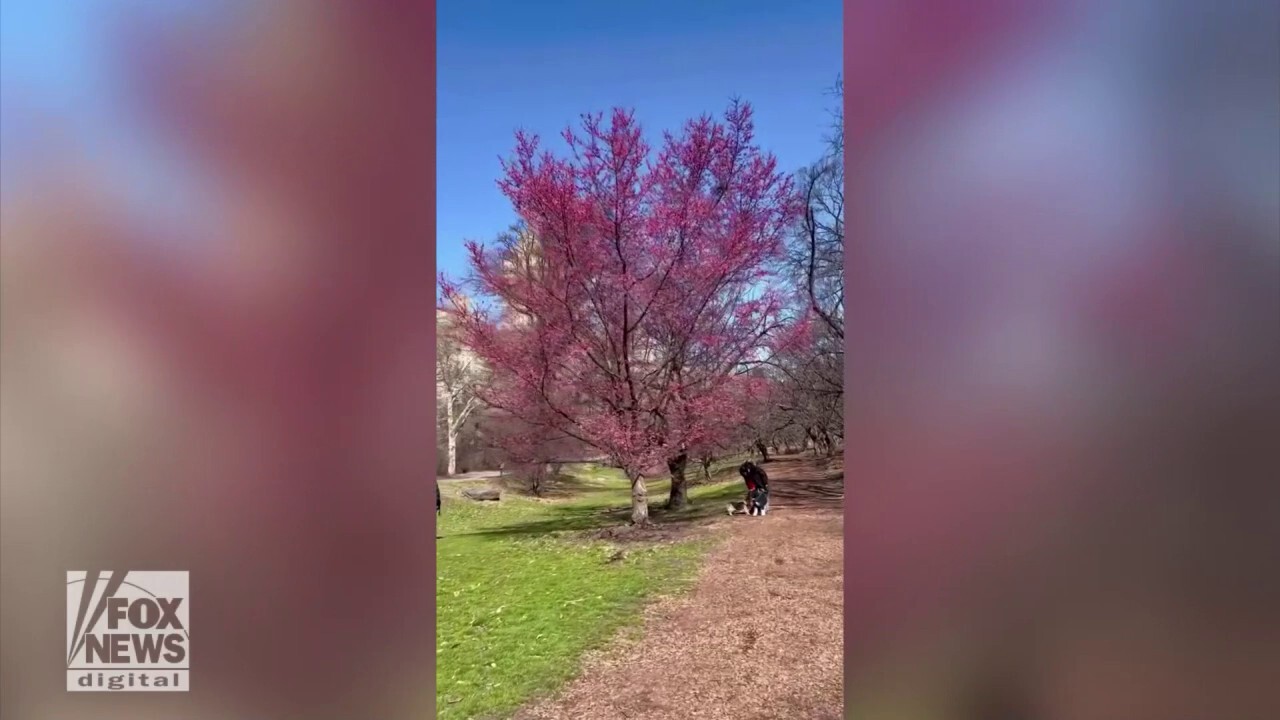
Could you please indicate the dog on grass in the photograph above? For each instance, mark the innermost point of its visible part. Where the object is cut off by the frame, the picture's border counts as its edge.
(756, 504)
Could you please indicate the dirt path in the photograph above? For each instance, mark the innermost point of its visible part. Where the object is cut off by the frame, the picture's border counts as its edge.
(760, 637)
(468, 477)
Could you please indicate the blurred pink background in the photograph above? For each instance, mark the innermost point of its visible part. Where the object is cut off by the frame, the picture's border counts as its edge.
(1064, 284)
(218, 278)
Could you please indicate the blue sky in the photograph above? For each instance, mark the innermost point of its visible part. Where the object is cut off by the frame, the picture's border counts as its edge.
(508, 64)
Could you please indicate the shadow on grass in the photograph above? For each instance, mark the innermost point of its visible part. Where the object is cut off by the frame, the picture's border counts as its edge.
(704, 503)
(588, 481)
(559, 488)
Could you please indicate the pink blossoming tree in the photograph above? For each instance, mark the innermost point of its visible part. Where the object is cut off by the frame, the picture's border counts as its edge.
(628, 320)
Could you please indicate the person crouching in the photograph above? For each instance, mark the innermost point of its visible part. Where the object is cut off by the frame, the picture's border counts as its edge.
(757, 488)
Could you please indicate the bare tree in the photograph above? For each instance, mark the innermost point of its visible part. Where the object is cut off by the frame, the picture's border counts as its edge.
(458, 373)
(817, 252)
(809, 408)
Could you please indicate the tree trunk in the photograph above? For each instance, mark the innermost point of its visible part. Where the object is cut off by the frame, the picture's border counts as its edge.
(452, 432)
(535, 479)
(679, 497)
(639, 499)
(764, 451)
(453, 454)
(706, 468)
(828, 445)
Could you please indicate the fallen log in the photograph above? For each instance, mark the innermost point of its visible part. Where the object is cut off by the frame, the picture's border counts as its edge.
(481, 495)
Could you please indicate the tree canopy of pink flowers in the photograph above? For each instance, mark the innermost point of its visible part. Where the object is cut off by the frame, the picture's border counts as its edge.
(651, 294)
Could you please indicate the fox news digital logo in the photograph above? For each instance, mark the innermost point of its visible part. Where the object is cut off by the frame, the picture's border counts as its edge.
(127, 631)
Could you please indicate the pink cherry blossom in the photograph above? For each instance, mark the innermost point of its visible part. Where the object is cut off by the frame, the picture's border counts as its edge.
(628, 323)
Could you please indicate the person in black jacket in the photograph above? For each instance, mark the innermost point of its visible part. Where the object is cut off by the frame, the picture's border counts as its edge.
(757, 488)
(437, 497)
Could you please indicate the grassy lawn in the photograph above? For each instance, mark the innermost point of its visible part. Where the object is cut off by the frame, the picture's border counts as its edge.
(521, 593)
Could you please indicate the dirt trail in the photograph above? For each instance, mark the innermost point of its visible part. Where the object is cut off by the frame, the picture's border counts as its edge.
(760, 636)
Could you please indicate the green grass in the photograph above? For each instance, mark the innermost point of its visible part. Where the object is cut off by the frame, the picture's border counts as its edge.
(521, 594)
